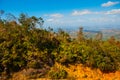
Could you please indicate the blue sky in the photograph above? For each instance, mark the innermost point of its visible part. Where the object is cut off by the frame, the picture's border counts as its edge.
(63, 13)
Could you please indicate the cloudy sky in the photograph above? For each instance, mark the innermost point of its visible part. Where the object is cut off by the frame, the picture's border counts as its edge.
(64, 13)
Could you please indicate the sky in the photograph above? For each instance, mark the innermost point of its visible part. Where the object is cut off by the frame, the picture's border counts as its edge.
(68, 13)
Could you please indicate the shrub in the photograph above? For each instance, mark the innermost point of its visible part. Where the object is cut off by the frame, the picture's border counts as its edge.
(56, 73)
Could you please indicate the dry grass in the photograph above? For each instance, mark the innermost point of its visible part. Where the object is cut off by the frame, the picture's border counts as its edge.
(77, 72)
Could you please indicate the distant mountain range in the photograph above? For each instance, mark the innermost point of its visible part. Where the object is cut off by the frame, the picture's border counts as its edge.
(107, 31)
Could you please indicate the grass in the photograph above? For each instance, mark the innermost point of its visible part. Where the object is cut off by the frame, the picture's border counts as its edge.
(76, 72)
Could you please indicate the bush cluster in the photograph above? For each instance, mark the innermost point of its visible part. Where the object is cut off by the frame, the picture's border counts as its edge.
(96, 54)
(23, 45)
(56, 73)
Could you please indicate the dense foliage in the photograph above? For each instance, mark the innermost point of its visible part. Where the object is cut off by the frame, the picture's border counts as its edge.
(24, 45)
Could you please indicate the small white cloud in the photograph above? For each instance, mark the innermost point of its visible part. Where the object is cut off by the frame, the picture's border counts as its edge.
(114, 11)
(83, 12)
(109, 3)
(45, 15)
(50, 20)
(57, 15)
(53, 17)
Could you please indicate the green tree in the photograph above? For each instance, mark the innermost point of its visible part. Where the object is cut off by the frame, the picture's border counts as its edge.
(99, 36)
(80, 34)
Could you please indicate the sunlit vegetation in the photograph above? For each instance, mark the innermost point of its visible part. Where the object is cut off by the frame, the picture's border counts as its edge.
(28, 48)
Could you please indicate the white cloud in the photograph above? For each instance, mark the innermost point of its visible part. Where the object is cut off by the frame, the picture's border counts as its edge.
(54, 18)
(77, 18)
(45, 15)
(113, 11)
(83, 12)
(109, 3)
(54, 15)
(50, 20)
(57, 15)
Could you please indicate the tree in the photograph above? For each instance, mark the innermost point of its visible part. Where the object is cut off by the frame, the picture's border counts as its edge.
(10, 17)
(1, 13)
(40, 21)
(80, 34)
(30, 22)
(112, 40)
(99, 36)
(23, 19)
(62, 35)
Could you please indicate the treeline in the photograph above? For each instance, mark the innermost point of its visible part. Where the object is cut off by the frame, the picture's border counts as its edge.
(24, 44)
